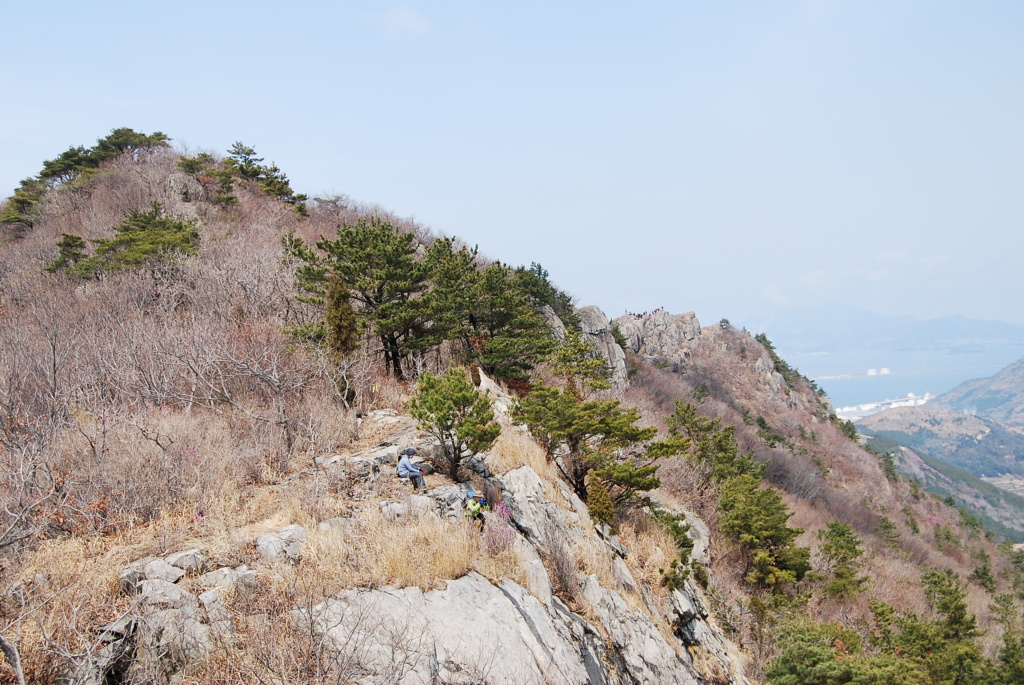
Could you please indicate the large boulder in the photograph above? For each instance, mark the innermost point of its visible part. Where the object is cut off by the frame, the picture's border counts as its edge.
(149, 568)
(171, 633)
(191, 561)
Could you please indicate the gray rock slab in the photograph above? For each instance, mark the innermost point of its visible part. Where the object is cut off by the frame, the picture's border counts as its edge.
(542, 521)
(222, 625)
(643, 651)
(128, 581)
(170, 640)
(469, 632)
(160, 569)
(161, 593)
(191, 561)
(501, 401)
(394, 510)
(240, 578)
(283, 544)
(597, 329)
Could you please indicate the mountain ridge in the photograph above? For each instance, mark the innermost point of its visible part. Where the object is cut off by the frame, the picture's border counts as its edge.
(999, 397)
(216, 403)
(837, 328)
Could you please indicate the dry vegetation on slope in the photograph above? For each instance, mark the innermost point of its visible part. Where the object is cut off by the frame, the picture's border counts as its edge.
(825, 476)
(155, 409)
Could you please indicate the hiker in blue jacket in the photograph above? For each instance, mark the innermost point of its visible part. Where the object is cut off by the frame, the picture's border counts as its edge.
(406, 469)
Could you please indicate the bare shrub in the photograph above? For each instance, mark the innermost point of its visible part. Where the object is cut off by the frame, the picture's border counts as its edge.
(562, 566)
(323, 424)
(690, 482)
(130, 467)
(794, 474)
(65, 591)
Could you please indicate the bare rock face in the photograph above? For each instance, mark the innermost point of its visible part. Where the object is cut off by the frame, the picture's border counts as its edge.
(646, 656)
(472, 631)
(660, 335)
(554, 323)
(598, 330)
(544, 523)
(171, 632)
(501, 401)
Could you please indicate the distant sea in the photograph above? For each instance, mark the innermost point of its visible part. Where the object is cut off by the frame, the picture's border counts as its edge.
(843, 375)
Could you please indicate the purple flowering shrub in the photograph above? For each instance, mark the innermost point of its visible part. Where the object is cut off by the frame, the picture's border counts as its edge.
(499, 534)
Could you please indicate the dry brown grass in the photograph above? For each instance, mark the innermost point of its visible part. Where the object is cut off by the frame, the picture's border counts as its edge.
(594, 558)
(415, 550)
(70, 584)
(67, 589)
(650, 548)
(514, 448)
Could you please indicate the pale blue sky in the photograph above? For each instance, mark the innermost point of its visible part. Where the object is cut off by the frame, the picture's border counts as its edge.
(724, 157)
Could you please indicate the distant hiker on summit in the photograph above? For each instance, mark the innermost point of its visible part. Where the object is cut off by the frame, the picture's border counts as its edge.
(406, 469)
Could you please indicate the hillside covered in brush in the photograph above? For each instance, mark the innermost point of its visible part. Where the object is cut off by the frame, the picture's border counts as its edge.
(206, 379)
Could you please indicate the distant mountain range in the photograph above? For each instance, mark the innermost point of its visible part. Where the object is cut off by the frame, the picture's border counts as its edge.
(980, 446)
(837, 328)
(974, 431)
(1000, 397)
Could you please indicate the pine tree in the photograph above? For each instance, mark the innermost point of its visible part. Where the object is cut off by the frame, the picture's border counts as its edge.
(243, 162)
(945, 648)
(841, 548)
(711, 443)
(947, 593)
(575, 361)
(454, 297)
(830, 654)
(143, 236)
(377, 264)
(342, 334)
(72, 250)
(22, 208)
(509, 334)
(534, 281)
(591, 432)
(599, 503)
(74, 164)
(595, 440)
(451, 409)
(126, 141)
(756, 518)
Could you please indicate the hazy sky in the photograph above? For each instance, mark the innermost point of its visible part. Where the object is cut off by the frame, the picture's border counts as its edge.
(725, 157)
